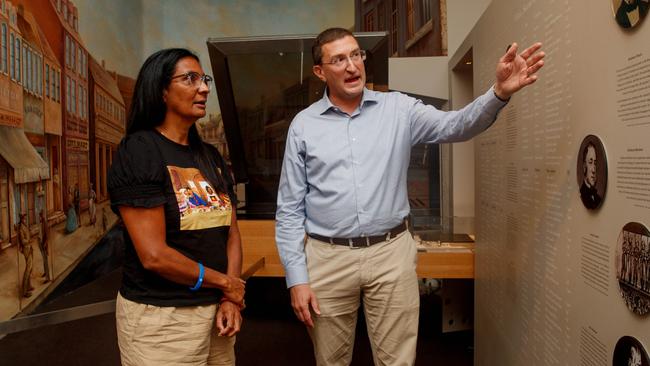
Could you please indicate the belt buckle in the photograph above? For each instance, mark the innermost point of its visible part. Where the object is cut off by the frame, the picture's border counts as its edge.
(352, 246)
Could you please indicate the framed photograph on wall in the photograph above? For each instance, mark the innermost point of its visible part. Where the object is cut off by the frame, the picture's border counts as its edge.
(630, 352)
(630, 13)
(592, 172)
(633, 267)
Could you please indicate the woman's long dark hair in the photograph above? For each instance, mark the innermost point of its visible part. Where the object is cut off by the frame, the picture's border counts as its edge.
(148, 111)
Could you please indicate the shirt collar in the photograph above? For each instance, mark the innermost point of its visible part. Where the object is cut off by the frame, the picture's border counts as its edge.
(325, 104)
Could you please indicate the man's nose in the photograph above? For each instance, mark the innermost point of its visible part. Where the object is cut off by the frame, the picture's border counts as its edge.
(351, 66)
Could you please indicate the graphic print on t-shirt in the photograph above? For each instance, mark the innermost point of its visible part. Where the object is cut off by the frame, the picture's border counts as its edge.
(199, 205)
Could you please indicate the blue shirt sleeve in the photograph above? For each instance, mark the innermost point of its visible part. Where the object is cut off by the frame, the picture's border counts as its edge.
(290, 214)
(430, 125)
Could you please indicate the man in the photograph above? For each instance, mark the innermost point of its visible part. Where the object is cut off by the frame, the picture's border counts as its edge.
(104, 220)
(77, 203)
(42, 245)
(343, 183)
(588, 191)
(92, 206)
(25, 247)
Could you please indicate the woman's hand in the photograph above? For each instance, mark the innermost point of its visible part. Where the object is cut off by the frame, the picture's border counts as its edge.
(228, 319)
(234, 292)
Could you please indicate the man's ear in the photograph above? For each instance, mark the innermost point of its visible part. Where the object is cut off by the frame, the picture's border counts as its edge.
(318, 71)
(165, 95)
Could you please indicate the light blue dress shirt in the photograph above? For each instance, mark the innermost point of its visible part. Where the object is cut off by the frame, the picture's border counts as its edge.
(344, 176)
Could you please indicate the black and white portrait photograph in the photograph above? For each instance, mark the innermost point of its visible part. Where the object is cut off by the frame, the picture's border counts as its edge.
(630, 13)
(592, 172)
(630, 352)
(633, 267)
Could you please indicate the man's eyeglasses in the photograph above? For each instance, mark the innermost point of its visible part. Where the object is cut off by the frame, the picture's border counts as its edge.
(194, 79)
(341, 61)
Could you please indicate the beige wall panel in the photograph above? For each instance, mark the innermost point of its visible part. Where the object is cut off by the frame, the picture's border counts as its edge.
(546, 285)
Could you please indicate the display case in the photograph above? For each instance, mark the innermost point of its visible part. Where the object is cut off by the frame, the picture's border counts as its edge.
(262, 83)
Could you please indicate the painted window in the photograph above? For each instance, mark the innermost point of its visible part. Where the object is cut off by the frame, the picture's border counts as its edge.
(81, 101)
(27, 70)
(39, 75)
(5, 48)
(47, 80)
(12, 66)
(73, 92)
(67, 50)
(18, 60)
(369, 23)
(68, 97)
(425, 12)
(393, 27)
(57, 85)
(410, 19)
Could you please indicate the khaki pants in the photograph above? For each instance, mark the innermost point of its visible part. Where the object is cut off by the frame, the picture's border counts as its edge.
(383, 277)
(153, 335)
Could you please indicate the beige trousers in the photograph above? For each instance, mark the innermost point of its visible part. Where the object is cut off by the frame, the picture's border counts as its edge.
(383, 277)
(154, 335)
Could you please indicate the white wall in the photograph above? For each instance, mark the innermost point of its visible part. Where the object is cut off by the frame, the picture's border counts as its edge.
(462, 15)
(420, 75)
(461, 18)
(462, 92)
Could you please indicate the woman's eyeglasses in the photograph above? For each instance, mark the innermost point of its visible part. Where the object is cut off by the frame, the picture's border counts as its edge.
(194, 79)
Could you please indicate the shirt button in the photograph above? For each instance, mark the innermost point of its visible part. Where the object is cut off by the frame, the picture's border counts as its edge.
(354, 139)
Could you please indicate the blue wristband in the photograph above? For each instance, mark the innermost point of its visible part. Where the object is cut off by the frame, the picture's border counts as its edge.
(199, 281)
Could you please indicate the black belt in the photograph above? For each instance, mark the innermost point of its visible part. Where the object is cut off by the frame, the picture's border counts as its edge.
(362, 241)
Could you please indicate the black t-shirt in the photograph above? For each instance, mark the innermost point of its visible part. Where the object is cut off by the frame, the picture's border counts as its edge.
(150, 170)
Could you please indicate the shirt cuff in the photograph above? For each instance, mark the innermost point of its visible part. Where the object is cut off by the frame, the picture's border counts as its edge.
(493, 92)
(493, 103)
(296, 275)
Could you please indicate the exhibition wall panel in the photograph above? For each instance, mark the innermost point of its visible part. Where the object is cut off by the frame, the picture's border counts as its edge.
(563, 187)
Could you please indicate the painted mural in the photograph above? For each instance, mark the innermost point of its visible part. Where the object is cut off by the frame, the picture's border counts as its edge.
(67, 72)
(415, 28)
(61, 116)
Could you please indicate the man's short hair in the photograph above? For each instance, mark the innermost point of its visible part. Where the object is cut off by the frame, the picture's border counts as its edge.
(327, 36)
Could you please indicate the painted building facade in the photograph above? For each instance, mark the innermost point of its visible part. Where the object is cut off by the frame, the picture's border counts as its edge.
(107, 124)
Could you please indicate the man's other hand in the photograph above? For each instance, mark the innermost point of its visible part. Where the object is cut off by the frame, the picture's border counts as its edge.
(302, 297)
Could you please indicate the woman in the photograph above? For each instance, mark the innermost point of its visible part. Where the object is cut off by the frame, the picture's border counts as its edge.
(181, 295)
(92, 207)
(71, 222)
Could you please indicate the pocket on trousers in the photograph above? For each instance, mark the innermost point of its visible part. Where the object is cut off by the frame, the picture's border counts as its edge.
(320, 250)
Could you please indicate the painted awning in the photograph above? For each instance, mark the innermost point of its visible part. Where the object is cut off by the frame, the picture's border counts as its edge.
(22, 156)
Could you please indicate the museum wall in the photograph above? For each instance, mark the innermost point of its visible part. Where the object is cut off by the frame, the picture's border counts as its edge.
(563, 188)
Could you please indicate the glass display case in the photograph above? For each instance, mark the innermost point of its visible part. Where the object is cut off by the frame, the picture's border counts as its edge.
(262, 83)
